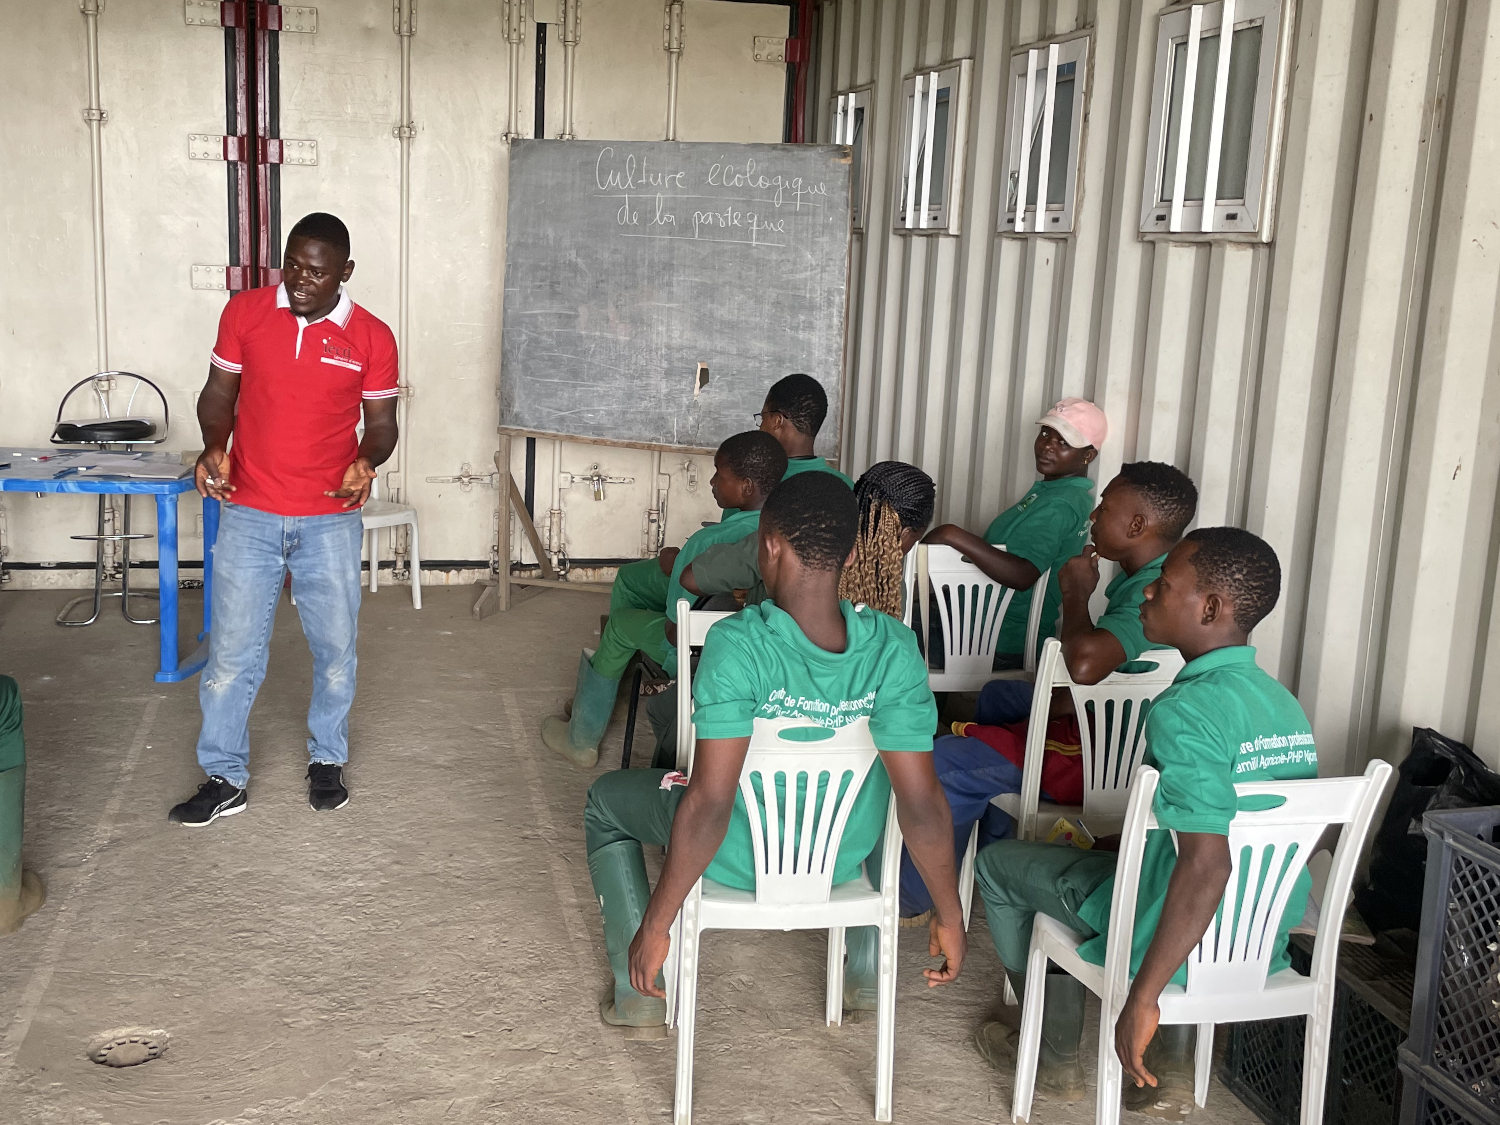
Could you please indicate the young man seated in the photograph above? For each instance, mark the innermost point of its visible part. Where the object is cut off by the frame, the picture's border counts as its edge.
(1201, 733)
(746, 468)
(21, 892)
(1041, 532)
(1141, 514)
(802, 653)
(895, 506)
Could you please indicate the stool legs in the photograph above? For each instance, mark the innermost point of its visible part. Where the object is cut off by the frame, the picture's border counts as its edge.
(124, 593)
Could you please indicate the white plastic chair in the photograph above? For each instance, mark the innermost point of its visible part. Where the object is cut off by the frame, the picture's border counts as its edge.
(971, 607)
(1114, 745)
(379, 513)
(692, 629)
(1228, 979)
(794, 866)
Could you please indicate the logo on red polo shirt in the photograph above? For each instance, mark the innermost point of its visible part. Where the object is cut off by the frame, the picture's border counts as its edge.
(340, 354)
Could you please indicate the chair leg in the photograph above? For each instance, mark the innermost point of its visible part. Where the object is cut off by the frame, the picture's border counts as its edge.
(1315, 1055)
(1111, 1075)
(1029, 1048)
(374, 559)
(966, 879)
(630, 716)
(414, 565)
(1010, 998)
(672, 970)
(1203, 1063)
(62, 616)
(885, 1019)
(833, 1013)
(687, 1015)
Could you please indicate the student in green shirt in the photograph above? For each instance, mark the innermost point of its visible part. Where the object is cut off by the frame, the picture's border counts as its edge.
(1140, 517)
(803, 653)
(1044, 529)
(793, 413)
(746, 468)
(1204, 734)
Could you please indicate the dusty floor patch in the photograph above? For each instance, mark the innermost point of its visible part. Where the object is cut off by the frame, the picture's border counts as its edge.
(431, 953)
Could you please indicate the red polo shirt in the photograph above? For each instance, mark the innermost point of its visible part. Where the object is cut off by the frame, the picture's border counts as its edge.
(301, 386)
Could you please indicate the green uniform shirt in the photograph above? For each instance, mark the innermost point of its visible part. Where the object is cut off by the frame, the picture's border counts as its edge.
(758, 664)
(1222, 721)
(1122, 616)
(732, 566)
(735, 525)
(1046, 529)
(813, 464)
(797, 465)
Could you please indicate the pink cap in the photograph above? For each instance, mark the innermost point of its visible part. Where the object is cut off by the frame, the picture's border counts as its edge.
(1079, 421)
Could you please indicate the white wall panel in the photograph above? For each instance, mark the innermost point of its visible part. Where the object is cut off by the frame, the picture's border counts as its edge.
(1320, 389)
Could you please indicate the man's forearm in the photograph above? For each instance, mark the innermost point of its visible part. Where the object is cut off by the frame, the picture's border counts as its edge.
(1002, 566)
(215, 420)
(1193, 896)
(378, 444)
(928, 832)
(697, 831)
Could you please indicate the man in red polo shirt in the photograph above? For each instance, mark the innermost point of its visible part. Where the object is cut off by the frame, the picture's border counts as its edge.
(292, 367)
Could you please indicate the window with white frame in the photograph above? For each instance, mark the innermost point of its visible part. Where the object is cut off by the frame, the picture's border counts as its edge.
(933, 131)
(1226, 101)
(851, 125)
(1044, 137)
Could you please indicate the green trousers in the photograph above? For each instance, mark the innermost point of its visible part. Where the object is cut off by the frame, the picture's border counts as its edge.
(1017, 879)
(627, 632)
(630, 805)
(12, 801)
(12, 744)
(639, 585)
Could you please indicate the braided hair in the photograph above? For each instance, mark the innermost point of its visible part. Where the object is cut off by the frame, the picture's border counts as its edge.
(893, 496)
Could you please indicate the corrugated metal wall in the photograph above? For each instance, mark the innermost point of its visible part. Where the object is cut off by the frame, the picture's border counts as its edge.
(1336, 391)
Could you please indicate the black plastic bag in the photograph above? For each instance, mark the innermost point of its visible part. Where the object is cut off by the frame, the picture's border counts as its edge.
(1439, 773)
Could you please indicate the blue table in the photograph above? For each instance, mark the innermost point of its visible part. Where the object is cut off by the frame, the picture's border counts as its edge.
(25, 473)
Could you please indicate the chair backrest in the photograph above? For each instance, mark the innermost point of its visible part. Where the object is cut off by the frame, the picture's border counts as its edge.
(970, 607)
(1029, 654)
(112, 408)
(799, 783)
(692, 629)
(1268, 847)
(909, 590)
(1112, 730)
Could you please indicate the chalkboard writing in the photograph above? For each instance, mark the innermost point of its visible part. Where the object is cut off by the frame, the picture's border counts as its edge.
(653, 291)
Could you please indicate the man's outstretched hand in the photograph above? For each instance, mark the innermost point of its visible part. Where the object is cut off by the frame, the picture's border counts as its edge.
(648, 953)
(211, 474)
(356, 487)
(949, 943)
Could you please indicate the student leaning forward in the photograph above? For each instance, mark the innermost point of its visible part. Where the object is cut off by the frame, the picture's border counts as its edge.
(1215, 586)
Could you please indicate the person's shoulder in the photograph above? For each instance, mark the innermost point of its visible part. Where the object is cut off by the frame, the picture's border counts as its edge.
(363, 320)
(890, 634)
(255, 302)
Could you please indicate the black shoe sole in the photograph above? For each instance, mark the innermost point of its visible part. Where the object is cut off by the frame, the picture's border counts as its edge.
(334, 808)
(239, 808)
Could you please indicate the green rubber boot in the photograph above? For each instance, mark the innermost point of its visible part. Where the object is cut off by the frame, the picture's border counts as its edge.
(21, 892)
(861, 968)
(1059, 1072)
(622, 889)
(577, 738)
(1169, 1056)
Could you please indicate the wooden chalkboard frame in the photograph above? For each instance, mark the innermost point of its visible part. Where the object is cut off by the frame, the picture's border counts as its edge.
(831, 441)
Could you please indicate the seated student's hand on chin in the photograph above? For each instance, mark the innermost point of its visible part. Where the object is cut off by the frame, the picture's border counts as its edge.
(950, 943)
(1080, 574)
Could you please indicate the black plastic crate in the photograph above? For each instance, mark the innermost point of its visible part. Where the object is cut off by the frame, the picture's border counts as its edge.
(1452, 1060)
(1263, 1066)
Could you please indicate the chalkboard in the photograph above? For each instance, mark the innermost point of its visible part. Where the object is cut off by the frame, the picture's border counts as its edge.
(630, 264)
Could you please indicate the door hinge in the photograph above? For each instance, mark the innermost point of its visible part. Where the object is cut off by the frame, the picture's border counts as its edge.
(232, 13)
(231, 278)
(768, 48)
(269, 150)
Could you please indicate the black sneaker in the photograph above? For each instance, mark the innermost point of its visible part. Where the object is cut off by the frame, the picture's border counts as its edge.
(325, 786)
(215, 798)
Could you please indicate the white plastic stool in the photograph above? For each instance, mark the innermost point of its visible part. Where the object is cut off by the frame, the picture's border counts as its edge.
(379, 513)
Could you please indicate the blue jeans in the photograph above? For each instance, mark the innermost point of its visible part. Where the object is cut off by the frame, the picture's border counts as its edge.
(251, 557)
(1002, 702)
(971, 773)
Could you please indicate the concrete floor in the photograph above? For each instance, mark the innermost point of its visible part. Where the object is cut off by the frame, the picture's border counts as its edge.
(428, 954)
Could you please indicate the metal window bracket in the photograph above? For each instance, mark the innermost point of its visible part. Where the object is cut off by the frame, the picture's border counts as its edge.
(232, 13)
(407, 26)
(270, 150)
